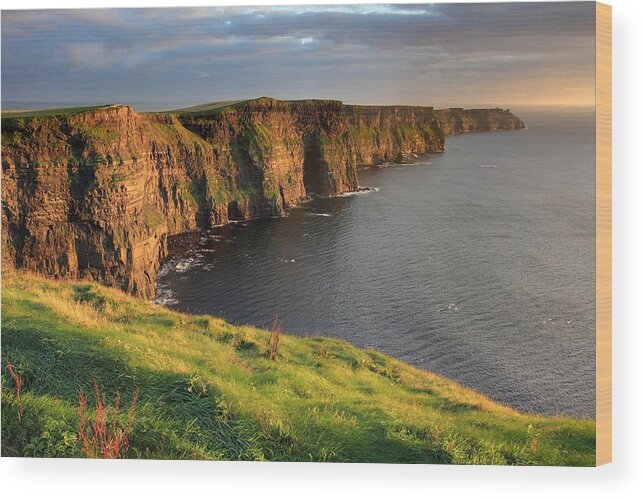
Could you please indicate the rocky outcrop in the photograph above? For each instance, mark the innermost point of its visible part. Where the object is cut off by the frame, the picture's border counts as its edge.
(95, 194)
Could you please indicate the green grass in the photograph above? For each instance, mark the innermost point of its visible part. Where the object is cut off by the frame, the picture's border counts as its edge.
(152, 217)
(212, 107)
(207, 390)
(63, 111)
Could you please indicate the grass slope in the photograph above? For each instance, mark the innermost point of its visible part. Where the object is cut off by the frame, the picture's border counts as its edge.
(207, 390)
(212, 107)
(63, 111)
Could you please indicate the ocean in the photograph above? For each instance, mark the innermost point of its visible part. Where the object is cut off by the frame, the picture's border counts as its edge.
(476, 263)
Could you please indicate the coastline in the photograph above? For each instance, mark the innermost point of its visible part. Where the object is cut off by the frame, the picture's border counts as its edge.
(125, 181)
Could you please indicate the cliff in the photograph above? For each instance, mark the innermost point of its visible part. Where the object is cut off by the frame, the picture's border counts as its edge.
(94, 193)
(457, 120)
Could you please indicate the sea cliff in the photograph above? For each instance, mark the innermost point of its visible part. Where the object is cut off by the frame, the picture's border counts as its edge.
(94, 193)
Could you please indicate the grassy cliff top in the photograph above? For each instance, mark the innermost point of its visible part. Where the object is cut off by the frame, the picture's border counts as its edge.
(208, 109)
(207, 390)
(203, 110)
(63, 111)
(211, 107)
(214, 108)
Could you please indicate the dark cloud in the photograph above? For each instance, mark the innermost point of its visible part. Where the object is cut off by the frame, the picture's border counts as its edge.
(443, 54)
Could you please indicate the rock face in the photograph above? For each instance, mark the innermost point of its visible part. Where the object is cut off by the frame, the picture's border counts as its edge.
(95, 194)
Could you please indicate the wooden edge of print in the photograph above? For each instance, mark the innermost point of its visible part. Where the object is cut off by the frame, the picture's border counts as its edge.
(603, 233)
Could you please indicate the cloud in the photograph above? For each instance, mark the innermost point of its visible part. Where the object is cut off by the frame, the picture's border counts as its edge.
(92, 56)
(440, 53)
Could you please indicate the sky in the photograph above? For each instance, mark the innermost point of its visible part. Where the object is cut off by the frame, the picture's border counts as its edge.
(446, 55)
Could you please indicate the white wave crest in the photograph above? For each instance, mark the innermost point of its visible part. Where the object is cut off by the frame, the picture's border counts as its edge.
(165, 269)
(187, 264)
(359, 191)
(166, 298)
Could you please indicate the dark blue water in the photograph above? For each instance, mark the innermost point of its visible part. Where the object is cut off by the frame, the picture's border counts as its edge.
(477, 263)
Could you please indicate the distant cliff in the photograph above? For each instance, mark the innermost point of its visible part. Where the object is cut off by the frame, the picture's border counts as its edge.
(457, 120)
(94, 193)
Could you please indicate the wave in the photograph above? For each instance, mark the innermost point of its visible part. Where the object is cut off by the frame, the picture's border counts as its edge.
(164, 269)
(451, 307)
(187, 264)
(359, 191)
(166, 297)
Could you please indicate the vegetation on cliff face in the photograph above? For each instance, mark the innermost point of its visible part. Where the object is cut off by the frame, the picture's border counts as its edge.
(209, 390)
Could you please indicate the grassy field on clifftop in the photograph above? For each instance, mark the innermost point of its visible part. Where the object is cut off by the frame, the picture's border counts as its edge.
(207, 390)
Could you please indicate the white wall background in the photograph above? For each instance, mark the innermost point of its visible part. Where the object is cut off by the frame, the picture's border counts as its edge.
(52, 478)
